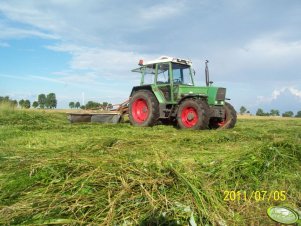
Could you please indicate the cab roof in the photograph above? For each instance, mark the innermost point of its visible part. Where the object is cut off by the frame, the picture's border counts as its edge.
(164, 59)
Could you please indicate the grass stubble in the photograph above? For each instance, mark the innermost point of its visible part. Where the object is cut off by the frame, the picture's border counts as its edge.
(53, 172)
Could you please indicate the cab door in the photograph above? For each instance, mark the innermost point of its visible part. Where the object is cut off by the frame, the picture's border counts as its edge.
(163, 80)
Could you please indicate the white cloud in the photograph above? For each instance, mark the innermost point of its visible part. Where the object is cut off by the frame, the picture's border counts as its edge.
(16, 33)
(269, 50)
(277, 93)
(269, 58)
(162, 11)
(295, 92)
(106, 63)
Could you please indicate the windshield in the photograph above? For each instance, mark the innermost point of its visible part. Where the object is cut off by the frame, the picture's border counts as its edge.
(182, 74)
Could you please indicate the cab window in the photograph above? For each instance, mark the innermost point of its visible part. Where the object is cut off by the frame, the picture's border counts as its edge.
(181, 74)
(149, 74)
(163, 73)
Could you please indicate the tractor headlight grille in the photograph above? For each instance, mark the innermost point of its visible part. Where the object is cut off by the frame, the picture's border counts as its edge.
(221, 94)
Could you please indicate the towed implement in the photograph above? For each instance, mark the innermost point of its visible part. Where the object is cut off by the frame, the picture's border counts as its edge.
(113, 116)
(168, 93)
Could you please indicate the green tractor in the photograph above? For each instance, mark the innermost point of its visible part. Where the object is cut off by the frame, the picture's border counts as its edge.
(167, 93)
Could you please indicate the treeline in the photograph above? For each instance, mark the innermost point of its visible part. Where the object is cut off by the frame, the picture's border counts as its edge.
(7, 100)
(273, 112)
(44, 101)
(91, 105)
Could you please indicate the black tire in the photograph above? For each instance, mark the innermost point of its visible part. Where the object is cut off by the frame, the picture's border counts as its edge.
(196, 116)
(228, 122)
(151, 106)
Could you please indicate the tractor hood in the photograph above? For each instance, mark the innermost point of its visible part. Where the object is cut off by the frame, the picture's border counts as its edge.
(216, 95)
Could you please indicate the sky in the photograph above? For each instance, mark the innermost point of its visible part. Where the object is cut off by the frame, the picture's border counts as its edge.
(85, 50)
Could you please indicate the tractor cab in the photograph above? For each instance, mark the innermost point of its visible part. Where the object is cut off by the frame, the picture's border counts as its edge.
(167, 74)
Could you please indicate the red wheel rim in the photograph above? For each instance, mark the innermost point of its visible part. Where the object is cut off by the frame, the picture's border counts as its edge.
(189, 117)
(223, 122)
(140, 110)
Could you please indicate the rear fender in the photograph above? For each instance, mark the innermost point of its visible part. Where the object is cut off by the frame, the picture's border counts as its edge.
(137, 88)
(156, 92)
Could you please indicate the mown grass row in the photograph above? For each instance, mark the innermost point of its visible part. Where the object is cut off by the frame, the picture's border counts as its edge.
(52, 172)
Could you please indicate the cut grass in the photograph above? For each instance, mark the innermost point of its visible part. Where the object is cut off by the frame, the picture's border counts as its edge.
(53, 172)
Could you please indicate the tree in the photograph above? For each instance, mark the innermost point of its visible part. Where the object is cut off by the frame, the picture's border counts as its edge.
(259, 112)
(21, 103)
(26, 104)
(35, 104)
(298, 115)
(105, 105)
(42, 100)
(288, 114)
(4, 99)
(91, 104)
(110, 106)
(77, 104)
(71, 104)
(14, 103)
(10, 102)
(274, 112)
(51, 101)
(242, 110)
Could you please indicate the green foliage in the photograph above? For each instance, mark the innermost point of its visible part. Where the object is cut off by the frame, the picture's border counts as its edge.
(77, 105)
(110, 106)
(298, 115)
(35, 104)
(71, 105)
(275, 112)
(42, 100)
(260, 112)
(48, 101)
(53, 172)
(26, 104)
(8, 102)
(51, 101)
(92, 105)
(96, 105)
(4, 99)
(242, 110)
(105, 105)
(288, 114)
(21, 103)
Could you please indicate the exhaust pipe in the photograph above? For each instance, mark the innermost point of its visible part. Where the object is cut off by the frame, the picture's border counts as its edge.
(207, 73)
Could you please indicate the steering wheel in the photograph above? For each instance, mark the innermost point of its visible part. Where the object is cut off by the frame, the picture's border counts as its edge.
(177, 80)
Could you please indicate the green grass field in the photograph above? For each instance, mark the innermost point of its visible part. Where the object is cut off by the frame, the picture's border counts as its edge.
(54, 172)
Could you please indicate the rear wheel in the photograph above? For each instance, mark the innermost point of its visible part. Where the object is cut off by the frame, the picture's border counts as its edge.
(227, 122)
(193, 114)
(143, 109)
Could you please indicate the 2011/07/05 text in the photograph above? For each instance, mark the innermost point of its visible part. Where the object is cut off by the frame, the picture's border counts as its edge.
(258, 196)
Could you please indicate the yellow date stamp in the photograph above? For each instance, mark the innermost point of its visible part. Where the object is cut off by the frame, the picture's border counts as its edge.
(257, 196)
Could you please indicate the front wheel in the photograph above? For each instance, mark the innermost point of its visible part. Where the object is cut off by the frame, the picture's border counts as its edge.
(193, 114)
(143, 109)
(228, 121)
